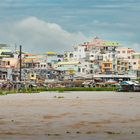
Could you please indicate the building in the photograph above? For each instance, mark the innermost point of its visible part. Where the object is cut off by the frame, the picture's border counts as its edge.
(69, 68)
(79, 52)
(107, 67)
(125, 53)
(5, 51)
(123, 66)
(135, 61)
(68, 56)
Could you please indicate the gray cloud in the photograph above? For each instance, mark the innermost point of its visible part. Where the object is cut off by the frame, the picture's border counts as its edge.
(39, 36)
(111, 19)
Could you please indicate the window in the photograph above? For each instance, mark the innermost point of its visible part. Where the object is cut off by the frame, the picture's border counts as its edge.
(65, 55)
(107, 65)
(123, 51)
(8, 63)
(71, 55)
(100, 57)
(4, 76)
(113, 55)
(91, 71)
(91, 66)
(79, 69)
(134, 63)
(107, 70)
(83, 70)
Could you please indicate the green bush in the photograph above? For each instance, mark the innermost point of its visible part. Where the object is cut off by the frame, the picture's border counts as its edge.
(61, 90)
(82, 89)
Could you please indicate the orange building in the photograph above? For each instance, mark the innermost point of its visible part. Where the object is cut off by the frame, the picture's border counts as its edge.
(107, 67)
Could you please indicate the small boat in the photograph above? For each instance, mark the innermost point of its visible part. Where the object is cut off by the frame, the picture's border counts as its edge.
(129, 86)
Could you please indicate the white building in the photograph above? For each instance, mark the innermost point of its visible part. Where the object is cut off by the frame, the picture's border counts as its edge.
(125, 53)
(79, 52)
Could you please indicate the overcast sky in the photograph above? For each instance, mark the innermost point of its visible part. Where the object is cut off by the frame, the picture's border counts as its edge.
(57, 25)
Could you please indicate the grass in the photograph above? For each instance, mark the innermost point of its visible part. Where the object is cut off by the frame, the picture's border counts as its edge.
(5, 92)
(60, 90)
(82, 89)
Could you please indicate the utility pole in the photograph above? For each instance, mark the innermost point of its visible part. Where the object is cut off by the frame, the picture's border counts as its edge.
(20, 63)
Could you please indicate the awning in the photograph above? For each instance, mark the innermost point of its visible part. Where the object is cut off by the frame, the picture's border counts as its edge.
(128, 83)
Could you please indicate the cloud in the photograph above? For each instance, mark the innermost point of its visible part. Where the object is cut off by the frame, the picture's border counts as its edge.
(39, 36)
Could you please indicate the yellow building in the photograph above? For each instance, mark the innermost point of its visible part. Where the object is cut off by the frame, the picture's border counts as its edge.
(30, 61)
(107, 67)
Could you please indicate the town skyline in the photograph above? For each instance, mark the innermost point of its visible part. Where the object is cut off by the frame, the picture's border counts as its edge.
(55, 25)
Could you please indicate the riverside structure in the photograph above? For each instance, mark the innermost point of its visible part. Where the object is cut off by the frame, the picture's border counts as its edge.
(95, 60)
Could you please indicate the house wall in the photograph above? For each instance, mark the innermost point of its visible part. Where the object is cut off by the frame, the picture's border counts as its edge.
(125, 53)
(79, 52)
(9, 63)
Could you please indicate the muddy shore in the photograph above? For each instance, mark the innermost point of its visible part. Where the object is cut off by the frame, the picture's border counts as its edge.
(70, 116)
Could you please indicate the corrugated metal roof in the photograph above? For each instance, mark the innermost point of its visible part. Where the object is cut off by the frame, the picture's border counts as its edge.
(128, 83)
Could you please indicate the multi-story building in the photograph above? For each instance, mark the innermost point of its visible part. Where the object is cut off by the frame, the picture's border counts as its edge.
(107, 67)
(5, 52)
(105, 57)
(136, 56)
(68, 56)
(79, 52)
(125, 53)
(104, 51)
(8, 61)
(135, 61)
(69, 68)
(95, 58)
(123, 66)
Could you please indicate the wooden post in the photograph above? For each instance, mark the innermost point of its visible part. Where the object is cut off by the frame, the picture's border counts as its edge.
(20, 61)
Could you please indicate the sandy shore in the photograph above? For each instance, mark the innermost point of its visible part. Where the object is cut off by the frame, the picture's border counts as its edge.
(70, 116)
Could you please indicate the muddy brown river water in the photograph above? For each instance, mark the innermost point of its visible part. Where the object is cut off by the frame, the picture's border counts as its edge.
(70, 116)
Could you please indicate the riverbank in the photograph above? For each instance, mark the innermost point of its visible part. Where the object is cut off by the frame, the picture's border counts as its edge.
(70, 115)
(38, 90)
